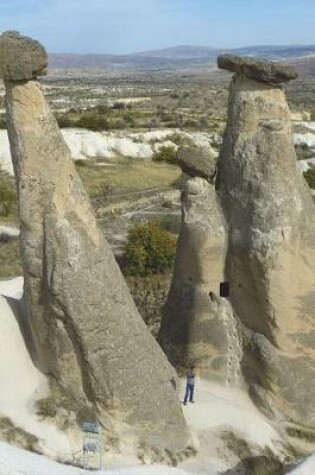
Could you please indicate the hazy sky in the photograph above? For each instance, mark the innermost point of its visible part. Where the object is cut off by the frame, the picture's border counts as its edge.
(124, 26)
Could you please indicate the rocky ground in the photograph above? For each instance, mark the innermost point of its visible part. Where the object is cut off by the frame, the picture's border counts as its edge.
(223, 421)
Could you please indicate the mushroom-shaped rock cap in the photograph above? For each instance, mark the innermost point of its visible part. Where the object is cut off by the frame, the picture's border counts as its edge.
(264, 71)
(196, 162)
(21, 58)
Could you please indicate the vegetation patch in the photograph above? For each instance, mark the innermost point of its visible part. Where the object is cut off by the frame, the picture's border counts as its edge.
(235, 444)
(8, 196)
(303, 152)
(63, 407)
(301, 432)
(166, 154)
(149, 294)
(10, 258)
(3, 122)
(253, 460)
(150, 249)
(131, 175)
(17, 436)
(309, 176)
(9, 245)
(102, 117)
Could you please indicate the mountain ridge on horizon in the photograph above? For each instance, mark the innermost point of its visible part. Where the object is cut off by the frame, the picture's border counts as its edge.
(176, 57)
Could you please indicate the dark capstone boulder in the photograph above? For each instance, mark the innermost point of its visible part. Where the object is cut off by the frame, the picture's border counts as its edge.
(196, 162)
(264, 71)
(21, 58)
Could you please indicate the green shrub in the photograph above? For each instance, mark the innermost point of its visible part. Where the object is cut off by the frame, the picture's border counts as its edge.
(81, 163)
(7, 199)
(167, 204)
(303, 152)
(150, 249)
(95, 118)
(119, 106)
(191, 124)
(204, 122)
(149, 294)
(309, 176)
(179, 139)
(15, 435)
(101, 109)
(116, 124)
(93, 121)
(128, 117)
(3, 122)
(165, 154)
(65, 121)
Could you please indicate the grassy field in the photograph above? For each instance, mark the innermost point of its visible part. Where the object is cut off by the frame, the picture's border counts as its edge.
(9, 251)
(127, 175)
(10, 259)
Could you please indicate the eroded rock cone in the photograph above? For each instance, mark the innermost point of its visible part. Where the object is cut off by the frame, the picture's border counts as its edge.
(271, 249)
(198, 328)
(87, 330)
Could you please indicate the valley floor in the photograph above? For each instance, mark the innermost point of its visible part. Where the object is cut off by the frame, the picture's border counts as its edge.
(224, 422)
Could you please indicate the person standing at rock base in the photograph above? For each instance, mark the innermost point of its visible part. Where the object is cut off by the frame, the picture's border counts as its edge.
(190, 386)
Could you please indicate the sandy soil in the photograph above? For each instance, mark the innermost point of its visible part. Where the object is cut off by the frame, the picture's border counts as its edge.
(216, 410)
(20, 381)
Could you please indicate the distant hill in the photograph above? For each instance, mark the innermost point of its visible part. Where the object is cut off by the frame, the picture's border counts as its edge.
(181, 57)
(189, 52)
(180, 52)
(304, 65)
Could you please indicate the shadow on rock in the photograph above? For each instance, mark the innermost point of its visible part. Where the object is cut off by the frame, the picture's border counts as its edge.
(260, 465)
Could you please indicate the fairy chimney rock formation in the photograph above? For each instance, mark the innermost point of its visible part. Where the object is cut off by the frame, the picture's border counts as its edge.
(271, 244)
(87, 330)
(198, 327)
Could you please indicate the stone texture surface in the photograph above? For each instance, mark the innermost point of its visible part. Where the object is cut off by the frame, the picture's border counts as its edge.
(21, 58)
(198, 329)
(196, 162)
(88, 333)
(271, 250)
(265, 71)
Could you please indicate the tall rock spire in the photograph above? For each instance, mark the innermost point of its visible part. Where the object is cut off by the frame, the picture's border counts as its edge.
(87, 331)
(198, 327)
(271, 245)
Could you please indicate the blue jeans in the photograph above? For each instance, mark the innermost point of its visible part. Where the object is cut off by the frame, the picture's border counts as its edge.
(189, 393)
